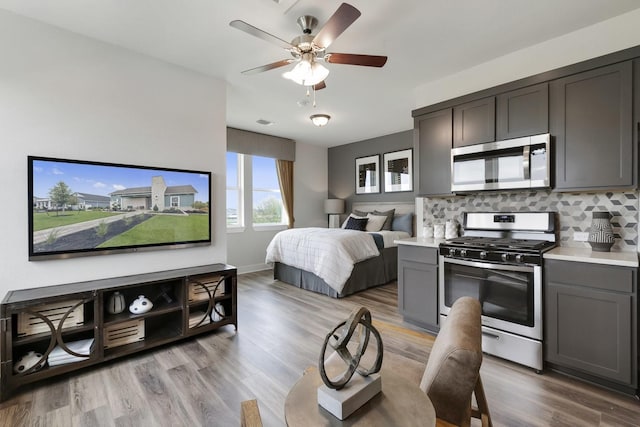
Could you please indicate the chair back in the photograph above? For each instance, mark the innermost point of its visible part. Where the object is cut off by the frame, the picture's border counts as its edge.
(453, 370)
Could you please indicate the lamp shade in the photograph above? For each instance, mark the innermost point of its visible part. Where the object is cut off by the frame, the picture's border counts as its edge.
(307, 72)
(334, 206)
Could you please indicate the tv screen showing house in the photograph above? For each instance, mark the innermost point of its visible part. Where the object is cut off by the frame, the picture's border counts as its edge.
(79, 208)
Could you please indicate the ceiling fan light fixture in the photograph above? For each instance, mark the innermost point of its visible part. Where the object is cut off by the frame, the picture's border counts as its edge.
(307, 73)
(320, 119)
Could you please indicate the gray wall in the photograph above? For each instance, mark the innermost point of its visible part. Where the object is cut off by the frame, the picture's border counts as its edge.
(341, 167)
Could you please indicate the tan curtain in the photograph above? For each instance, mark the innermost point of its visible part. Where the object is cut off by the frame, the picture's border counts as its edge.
(285, 179)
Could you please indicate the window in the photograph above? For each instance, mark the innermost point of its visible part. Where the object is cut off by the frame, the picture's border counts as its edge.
(175, 201)
(234, 190)
(267, 200)
(252, 182)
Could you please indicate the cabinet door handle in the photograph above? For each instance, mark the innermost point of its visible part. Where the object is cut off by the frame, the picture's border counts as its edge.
(490, 335)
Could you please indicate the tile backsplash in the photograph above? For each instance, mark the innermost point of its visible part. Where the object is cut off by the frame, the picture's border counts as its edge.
(574, 211)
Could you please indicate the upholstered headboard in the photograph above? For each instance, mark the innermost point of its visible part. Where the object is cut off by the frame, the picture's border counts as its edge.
(400, 207)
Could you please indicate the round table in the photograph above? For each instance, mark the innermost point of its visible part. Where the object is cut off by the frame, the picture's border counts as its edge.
(399, 404)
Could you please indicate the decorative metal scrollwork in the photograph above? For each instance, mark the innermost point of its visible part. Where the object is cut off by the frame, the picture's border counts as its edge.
(339, 343)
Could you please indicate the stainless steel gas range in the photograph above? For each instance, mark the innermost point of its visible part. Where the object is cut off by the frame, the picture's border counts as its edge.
(498, 260)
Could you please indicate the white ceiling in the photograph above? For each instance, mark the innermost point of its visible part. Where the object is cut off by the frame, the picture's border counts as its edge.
(425, 40)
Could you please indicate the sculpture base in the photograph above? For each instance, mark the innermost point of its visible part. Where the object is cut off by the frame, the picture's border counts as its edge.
(344, 402)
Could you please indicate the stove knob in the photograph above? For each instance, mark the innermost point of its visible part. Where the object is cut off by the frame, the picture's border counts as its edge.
(452, 252)
(463, 252)
(483, 254)
(519, 258)
(505, 257)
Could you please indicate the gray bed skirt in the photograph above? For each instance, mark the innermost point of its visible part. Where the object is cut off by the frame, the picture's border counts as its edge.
(366, 274)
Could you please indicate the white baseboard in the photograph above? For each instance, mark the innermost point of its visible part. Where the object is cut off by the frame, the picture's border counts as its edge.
(253, 268)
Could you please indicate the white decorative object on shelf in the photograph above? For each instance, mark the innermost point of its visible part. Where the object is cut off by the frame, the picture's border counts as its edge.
(27, 361)
(59, 356)
(218, 314)
(140, 305)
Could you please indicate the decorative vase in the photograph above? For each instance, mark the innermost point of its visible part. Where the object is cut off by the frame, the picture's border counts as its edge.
(116, 303)
(140, 305)
(601, 233)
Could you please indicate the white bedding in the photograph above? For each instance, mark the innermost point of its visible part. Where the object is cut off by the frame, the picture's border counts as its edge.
(329, 253)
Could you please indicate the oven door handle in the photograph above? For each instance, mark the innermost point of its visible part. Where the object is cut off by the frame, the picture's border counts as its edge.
(490, 335)
(489, 266)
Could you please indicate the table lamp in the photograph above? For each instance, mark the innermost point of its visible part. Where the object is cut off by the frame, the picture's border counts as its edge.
(334, 207)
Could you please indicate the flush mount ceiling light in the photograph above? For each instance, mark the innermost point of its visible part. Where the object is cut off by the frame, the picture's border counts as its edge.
(320, 119)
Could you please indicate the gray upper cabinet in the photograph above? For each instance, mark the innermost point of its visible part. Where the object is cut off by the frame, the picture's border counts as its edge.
(523, 112)
(474, 122)
(433, 135)
(591, 120)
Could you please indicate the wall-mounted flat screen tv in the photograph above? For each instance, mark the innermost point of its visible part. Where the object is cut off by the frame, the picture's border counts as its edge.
(80, 208)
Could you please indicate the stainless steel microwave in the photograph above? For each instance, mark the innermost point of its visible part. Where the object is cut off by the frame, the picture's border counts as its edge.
(510, 164)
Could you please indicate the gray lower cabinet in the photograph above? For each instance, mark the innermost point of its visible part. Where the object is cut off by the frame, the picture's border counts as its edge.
(418, 285)
(591, 115)
(433, 136)
(591, 324)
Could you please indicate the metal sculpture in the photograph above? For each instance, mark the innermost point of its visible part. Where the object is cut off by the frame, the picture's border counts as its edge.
(339, 343)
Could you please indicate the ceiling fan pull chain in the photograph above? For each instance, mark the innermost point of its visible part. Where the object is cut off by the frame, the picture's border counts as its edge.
(314, 96)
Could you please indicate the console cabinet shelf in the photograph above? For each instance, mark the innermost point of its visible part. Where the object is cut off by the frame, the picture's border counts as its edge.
(53, 330)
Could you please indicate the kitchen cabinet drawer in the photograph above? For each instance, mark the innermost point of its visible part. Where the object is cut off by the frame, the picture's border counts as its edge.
(605, 277)
(418, 254)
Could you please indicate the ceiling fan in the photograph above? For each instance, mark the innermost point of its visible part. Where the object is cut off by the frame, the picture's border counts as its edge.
(307, 50)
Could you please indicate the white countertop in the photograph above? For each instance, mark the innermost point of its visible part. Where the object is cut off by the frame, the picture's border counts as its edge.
(623, 259)
(428, 242)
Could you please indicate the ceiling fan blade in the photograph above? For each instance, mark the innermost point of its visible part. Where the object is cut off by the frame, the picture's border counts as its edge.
(339, 21)
(268, 67)
(320, 85)
(353, 59)
(257, 32)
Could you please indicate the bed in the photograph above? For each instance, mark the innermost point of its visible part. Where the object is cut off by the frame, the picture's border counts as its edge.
(337, 274)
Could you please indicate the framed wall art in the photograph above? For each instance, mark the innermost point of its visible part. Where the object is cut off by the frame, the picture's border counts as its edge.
(398, 171)
(368, 174)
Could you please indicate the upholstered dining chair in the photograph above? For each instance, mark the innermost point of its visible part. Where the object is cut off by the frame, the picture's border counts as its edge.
(452, 374)
(250, 414)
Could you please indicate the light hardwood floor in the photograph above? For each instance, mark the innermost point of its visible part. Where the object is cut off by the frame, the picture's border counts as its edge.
(281, 328)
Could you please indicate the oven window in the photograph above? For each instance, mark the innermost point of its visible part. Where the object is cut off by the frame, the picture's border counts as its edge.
(505, 295)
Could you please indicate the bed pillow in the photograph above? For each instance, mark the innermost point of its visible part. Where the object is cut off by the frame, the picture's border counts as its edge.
(360, 213)
(389, 214)
(344, 224)
(354, 223)
(375, 222)
(403, 223)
